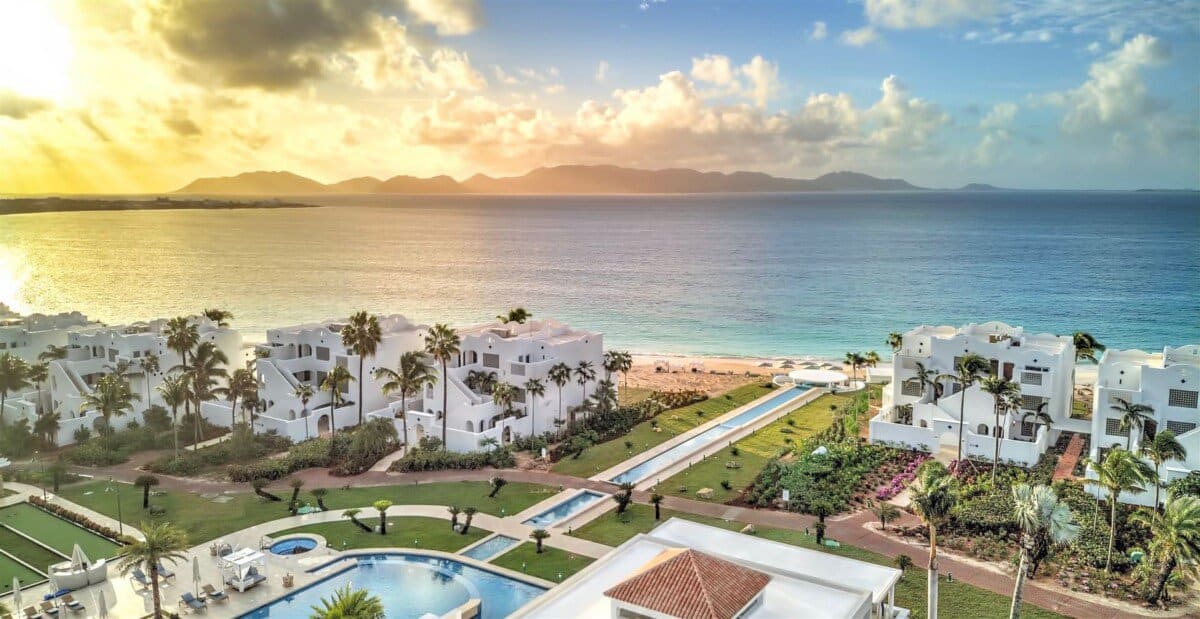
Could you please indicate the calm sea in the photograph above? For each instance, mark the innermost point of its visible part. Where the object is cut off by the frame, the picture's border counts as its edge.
(719, 274)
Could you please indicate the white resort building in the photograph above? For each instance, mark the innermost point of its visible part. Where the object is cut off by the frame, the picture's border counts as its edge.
(687, 570)
(1169, 383)
(29, 336)
(94, 352)
(1042, 365)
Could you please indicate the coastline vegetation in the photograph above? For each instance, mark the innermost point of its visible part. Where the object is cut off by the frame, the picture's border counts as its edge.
(15, 206)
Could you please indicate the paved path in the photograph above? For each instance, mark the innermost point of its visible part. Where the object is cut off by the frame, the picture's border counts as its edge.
(1065, 468)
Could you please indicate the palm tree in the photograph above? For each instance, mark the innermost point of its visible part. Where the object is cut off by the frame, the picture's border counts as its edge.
(1175, 540)
(1133, 416)
(207, 369)
(928, 379)
(348, 603)
(534, 389)
(470, 514)
(110, 397)
(182, 336)
(174, 391)
(560, 375)
(162, 542)
(334, 382)
(219, 316)
(1040, 416)
(382, 505)
(1163, 447)
(410, 376)
(503, 395)
(47, 426)
(242, 384)
(1086, 346)
(656, 500)
(1001, 389)
(352, 514)
(442, 344)
(539, 535)
(14, 374)
(611, 361)
(319, 494)
(37, 374)
(933, 496)
(895, 341)
(1120, 471)
(852, 360)
(145, 482)
(361, 336)
(53, 353)
(150, 365)
(1040, 516)
(583, 374)
(871, 358)
(517, 314)
(454, 512)
(304, 392)
(967, 371)
(885, 512)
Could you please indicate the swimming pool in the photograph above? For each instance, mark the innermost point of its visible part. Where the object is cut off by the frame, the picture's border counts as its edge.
(293, 546)
(490, 547)
(410, 585)
(682, 450)
(564, 510)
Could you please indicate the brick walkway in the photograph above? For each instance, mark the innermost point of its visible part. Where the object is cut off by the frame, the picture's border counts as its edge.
(1065, 469)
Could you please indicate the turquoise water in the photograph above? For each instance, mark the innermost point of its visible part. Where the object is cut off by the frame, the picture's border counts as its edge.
(785, 274)
(490, 548)
(690, 446)
(410, 586)
(294, 546)
(564, 510)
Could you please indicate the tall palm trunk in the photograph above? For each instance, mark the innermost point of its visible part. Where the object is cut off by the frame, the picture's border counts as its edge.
(404, 416)
(1160, 583)
(932, 587)
(1014, 611)
(445, 411)
(360, 388)
(962, 412)
(1156, 488)
(154, 588)
(175, 427)
(996, 453)
(1112, 530)
(232, 413)
(560, 404)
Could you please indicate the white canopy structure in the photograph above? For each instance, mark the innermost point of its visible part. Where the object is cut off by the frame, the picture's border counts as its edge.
(818, 377)
(243, 569)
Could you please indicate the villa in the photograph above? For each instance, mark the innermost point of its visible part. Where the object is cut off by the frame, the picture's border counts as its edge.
(94, 352)
(923, 412)
(687, 570)
(29, 336)
(1168, 382)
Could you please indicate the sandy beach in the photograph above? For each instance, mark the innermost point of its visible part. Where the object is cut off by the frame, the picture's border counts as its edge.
(712, 375)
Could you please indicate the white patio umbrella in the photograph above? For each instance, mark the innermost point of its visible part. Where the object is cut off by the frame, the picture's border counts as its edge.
(16, 595)
(101, 606)
(196, 574)
(79, 560)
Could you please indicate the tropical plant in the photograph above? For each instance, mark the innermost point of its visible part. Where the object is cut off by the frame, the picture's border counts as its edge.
(1119, 471)
(37, 374)
(174, 391)
(1133, 415)
(853, 360)
(161, 542)
(469, 512)
(304, 392)
(454, 512)
(969, 369)
(583, 374)
(352, 514)
(296, 483)
(539, 535)
(14, 375)
(182, 336)
(1040, 416)
(149, 364)
(337, 379)
(871, 359)
(219, 317)
(1175, 541)
(362, 336)
(410, 376)
(110, 397)
(903, 563)
(259, 485)
(560, 375)
(517, 314)
(319, 494)
(933, 496)
(382, 505)
(503, 395)
(1040, 515)
(442, 343)
(348, 603)
(895, 341)
(206, 372)
(623, 497)
(242, 384)
(1163, 447)
(1001, 389)
(46, 427)
(885, 512)
(53, 353)
(534, 389)
(1086, 346)
(656, 500)
(145, 482)
(927, 377)
(497, 483)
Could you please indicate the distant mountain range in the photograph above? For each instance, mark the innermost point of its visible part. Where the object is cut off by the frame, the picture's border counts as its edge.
(566, 179)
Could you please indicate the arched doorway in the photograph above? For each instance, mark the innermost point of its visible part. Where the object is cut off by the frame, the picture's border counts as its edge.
(506, 435)
(982, 430)
(323, 424)
(470, 426)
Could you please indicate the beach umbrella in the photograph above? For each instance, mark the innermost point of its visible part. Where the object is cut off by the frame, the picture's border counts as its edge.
(16, 594)
(79, 560)
(196, 574)
(101, 606)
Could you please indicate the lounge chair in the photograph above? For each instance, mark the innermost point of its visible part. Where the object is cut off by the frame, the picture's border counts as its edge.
(140, 577)
(49, 609)
(73, 605)
(164, 573)
(211, 593)
(189, 600)
(31, 613)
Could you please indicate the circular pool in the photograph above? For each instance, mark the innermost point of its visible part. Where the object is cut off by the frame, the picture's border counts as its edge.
(293, 546)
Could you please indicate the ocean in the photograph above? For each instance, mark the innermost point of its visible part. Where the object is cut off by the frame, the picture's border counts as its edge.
(755, 275)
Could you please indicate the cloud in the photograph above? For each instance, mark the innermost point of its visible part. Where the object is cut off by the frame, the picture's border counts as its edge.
(902, 122)
(646, 4)
(396, 63)
(1114, 98)
(818, 32)
(503, 77)
(757, 80)
(450, 17)
(997, 135)
(602, 71)
(1000, 116)
(554, 89)
(860, 37)
(15, 105)
(906, 14)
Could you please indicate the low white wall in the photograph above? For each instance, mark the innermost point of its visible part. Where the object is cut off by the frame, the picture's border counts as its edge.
(912, 437)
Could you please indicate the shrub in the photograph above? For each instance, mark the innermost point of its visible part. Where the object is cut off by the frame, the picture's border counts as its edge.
(734, 451)
(371, 442)
(726, 485)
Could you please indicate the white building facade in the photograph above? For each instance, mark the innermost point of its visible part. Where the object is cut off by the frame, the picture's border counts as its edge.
(27, 337)
(1169, 383)
(1042, 365)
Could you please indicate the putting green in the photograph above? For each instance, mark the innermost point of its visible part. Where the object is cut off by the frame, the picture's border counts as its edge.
(10, 569)
(55, 532)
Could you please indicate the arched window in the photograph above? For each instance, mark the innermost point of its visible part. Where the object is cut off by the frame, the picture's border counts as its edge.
(982, 429)
(924, 424)
(470, 426)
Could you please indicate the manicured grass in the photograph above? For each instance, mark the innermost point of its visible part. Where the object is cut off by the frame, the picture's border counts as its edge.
(403, 532)
(10, 569)
(27, 551)
(957, 600)
(628, 396)
(56, 532)
(754, 451)
(552, 564)
(673, 422)
(205, 520)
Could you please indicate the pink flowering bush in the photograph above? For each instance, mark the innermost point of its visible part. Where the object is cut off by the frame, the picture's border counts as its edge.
(901, 480)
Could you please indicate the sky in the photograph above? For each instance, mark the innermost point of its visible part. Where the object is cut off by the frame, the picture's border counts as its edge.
(143, 96)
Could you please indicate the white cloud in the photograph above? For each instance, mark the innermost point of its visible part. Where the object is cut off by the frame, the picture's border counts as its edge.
(602, 71)
(554, 89)
(757, 80)
(860, 37)
(901, 122)
(714, 69)
(997, 135)
(504, 77)
(397, 63)
(1000, 116)
(1094, 47)
(764, 79)
(905, 14)
(1114, 97)
(450, 17)
(819, 31)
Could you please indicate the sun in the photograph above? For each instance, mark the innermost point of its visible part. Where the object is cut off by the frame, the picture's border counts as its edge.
(35, 50)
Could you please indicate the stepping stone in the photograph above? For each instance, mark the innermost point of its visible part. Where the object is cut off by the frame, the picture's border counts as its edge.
(222, 499)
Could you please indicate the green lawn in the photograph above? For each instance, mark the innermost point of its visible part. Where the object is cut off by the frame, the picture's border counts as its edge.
(628, 396)
(56, 532)
(9, 570)
(403, 532)
(27, 551)
(205, 520)
(957, 600)
(552, 564)
(754, 451)
(673, 423)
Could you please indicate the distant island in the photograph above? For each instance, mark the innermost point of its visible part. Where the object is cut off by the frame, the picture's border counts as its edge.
(565, 179)
(15, 206)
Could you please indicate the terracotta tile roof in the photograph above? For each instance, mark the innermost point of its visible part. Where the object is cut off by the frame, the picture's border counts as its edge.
(691, 585)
